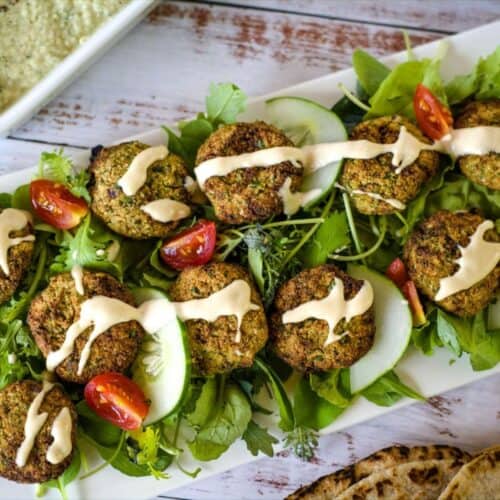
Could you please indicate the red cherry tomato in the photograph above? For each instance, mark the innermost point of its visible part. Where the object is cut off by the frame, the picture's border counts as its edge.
(396, 272)
(55, 204)
(193, 247)
(433, 118)
(117, 399)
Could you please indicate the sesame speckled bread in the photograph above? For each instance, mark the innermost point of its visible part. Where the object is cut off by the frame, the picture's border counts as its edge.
(334, 484)
(477, 480)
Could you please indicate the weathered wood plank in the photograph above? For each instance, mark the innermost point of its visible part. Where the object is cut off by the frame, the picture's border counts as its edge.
(161, 71)
(467, 417)
(444, 15)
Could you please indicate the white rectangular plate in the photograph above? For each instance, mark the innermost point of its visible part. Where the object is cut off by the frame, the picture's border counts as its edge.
(74, 65)
(429, 375)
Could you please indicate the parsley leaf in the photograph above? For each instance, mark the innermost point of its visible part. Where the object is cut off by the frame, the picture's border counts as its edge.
(57, 167)
(258, 439)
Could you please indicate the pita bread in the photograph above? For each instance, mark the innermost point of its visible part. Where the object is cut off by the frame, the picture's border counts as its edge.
(334, 484)
(477, 480)
(423, 480)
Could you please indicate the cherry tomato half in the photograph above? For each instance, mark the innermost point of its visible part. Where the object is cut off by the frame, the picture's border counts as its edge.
(117, 399)
(396, 272)
(193, 247)
(433, 117)
(55, 204)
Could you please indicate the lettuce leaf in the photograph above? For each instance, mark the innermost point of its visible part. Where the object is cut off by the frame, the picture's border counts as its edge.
(370, 72)
(483, 82)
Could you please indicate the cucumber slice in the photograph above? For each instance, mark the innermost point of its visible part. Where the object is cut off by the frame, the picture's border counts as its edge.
(393, 322)
(163, 366)
(307, 122)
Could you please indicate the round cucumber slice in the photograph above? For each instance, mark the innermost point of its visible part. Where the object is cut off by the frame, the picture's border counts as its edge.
(307, 122)
(163, 366)
(393, 323)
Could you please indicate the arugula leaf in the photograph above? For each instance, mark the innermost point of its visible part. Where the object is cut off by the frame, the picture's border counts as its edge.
(388, 390)
(21, 198)
(205, 403)
(425, 337)
(311, 410)
(447, 333)
(224, 103)
(57, 167)
(348, 112)
(332, 235)
(256, 265)
(483, 82)
(229, 422)
(370, 72)
(97, 428)
(333, 386)
(287, 418)
(258, 439)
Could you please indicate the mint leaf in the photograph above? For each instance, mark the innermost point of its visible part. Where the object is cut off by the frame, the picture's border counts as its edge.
(224, 103)
(388, 390)
(332, 235)
(258, 439)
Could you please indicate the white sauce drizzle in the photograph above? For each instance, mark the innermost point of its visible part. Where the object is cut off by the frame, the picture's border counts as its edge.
(34, 423)
(476, 140)
(390, 201)
(293, 201)
(61, 447)
(166, 210)
(233, 300)
(333, 308)
(478, 259)
(77, 275)
(11, 220)
(136, 174)
(101, 313)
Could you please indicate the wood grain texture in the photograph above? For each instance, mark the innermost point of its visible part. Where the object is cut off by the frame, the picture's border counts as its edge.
(161, 71)
(445, 15)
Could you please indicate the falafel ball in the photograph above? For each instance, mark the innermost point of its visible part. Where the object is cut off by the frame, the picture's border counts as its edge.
(302, 345)
(431, 252)
(481, 169)
(378, 176)
(122, 213)
(18, 260)
(15, 401)
(213, 346)
(251, 194)
(57, 307)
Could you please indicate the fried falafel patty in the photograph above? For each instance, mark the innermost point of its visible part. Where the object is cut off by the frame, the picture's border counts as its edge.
(481, 169)
(123, 214)
(378, 176)
(18, 260)
(57, 307)
(302, 345)
(213, 346)
(431, 252)
(247, 194)
(15, 401)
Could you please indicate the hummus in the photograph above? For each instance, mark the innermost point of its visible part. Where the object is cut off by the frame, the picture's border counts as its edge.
(35, 35)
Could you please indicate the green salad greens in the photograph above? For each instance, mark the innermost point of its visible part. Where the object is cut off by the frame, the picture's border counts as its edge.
(217, 411)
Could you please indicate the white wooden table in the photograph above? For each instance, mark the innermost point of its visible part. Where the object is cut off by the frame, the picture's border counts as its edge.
(160, 73)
